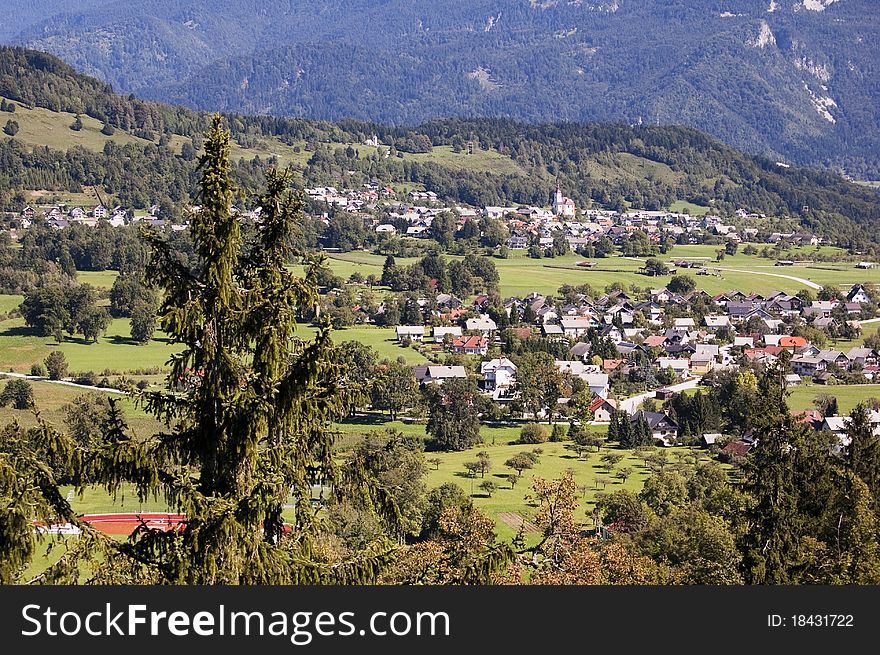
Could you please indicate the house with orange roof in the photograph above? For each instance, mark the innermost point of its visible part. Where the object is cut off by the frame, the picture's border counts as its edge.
(471, 345)
(792, 343)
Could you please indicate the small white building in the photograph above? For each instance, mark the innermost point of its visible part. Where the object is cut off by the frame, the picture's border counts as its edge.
(410, 332)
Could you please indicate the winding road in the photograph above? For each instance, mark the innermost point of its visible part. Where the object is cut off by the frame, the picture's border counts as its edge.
(36, 378)
(800, 280)
(632, 404)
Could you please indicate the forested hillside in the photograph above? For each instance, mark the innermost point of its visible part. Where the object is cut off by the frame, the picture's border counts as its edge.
(148, 155)
(787, 79)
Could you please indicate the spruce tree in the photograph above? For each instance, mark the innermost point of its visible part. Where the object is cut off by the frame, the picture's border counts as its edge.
(248, 406)
(772, 536)
(863, 451)
(614, 426)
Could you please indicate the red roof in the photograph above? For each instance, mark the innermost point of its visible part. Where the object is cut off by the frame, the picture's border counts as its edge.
(751, 353)
(598, 401)
(468, 343)
(738, 448)
(808, 416)
(792, 342)
(654, 340)
(611, 364)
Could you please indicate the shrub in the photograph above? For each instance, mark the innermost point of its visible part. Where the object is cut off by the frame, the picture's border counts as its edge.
(533, 433)
(38, 370)
(88, 378)
(559, 433)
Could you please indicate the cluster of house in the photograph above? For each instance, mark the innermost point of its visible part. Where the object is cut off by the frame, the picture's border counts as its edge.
(685, 346)
(836, 425)
(382, 207)
(60, 217)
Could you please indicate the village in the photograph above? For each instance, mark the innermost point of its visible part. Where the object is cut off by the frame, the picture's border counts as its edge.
(665, 340)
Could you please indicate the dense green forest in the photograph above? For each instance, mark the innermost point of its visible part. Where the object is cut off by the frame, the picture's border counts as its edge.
(789, 83)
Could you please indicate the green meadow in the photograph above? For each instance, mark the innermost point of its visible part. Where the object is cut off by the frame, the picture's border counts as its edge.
(115, 351)
(590, 474)
(848, 395)
(50, 400)
(521, 274)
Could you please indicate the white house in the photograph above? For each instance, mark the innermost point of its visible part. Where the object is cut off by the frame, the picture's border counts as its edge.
(441, 332)
(484, 325)
(498, 373)
(576, 326)
(858, 294)
(411, 332)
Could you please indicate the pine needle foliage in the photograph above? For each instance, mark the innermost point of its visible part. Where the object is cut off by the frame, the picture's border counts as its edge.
(248, 406)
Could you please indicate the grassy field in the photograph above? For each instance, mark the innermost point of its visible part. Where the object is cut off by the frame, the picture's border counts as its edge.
(499, 442)
(20, 347)
(521, 275)
(9, 302)
(100, 279)
(41, 127)
(50, 400)
(553, 462)
(481, 161)
(384, 340)
(848, 396)
(680, 206)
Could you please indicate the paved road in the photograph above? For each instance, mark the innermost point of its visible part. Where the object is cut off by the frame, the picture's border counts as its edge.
(632, 404)
(37, 378)
(812, 285)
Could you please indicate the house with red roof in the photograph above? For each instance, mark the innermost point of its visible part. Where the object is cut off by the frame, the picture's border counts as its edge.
(471, 345)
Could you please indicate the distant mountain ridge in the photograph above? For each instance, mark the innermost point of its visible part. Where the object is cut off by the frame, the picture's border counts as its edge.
(793, 79)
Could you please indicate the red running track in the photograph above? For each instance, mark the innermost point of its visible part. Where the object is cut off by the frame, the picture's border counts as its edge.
(125, 524)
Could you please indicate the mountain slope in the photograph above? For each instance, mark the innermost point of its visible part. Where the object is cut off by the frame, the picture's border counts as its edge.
(799, 82)
(151, 157)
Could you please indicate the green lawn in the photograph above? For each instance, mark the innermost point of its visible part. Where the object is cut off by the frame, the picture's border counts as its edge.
(100, 279)
(20, 347)
(848, 396)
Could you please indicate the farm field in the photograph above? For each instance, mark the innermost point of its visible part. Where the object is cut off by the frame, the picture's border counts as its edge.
(521, 274)
(848, 395)
(19, 348)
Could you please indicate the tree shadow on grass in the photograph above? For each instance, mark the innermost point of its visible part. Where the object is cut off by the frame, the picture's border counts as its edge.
(117, 340)
(366, 419)
(21, 331)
